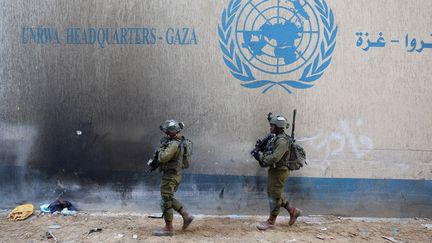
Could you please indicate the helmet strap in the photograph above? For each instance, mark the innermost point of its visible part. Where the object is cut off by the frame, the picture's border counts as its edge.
(279, 130)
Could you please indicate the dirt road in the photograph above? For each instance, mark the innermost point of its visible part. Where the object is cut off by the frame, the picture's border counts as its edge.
(133, 227)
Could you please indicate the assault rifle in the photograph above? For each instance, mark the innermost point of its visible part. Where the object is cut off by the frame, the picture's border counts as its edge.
(153, 163)
(293, 126)
(260, 146)
(297, 153)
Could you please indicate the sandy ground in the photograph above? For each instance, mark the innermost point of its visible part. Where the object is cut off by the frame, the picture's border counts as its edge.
(123, 227)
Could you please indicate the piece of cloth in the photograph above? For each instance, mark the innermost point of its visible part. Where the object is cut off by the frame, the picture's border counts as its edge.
(21, 212)
(60, 204)
(67, 212)
(44, 208)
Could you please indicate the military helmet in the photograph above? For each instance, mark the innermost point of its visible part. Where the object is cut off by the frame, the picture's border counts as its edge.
(278, 121)
(171, 126)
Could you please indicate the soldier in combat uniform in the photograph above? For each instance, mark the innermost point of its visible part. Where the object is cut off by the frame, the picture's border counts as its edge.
(170, 156)
(275, 156)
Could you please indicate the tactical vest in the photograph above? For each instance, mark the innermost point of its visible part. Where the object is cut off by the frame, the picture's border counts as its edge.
(270, 148)
(295, 157)
(181, 159)
(187, 153)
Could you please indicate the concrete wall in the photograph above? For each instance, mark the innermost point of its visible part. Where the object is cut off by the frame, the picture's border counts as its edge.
(80, 119)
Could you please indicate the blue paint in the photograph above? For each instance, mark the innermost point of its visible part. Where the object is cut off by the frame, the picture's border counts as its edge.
(341, 196)
(223, 194)
(277, 40)
(327, 188)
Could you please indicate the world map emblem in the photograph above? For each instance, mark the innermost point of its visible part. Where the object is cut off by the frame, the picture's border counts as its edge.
(277, 43)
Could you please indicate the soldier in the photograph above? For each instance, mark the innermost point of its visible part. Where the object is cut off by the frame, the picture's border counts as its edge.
(171, 156)
(275, 156)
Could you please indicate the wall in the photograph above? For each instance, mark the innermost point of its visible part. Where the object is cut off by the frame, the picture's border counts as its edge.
(80, 119)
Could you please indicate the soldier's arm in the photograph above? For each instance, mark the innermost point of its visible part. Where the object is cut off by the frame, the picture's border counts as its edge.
(280, 148)
(168, 152)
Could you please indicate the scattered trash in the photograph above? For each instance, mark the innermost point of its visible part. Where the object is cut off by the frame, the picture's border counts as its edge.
(395, 231)
(391, 239)
(50, 235)
(135, 236)
(94, 230)
(60, 204)
(288, 241)
(427, 226)
(54, 226)
(44, 208)
(67, 212)
(119, 236)
(79, 133)
(21, 212)
(155, 217)
(324, 229)
(323, 237)
(320, 237)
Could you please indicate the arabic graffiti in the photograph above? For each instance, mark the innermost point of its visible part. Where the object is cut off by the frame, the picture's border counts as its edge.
(411, 44)
(338, 141)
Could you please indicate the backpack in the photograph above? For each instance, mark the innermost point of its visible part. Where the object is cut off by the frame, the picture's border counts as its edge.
(187, 152)
(297, 157)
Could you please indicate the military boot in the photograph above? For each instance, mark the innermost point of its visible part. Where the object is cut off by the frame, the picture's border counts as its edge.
(269, 223)
(187, 218)
(168, 230)
(293, 212)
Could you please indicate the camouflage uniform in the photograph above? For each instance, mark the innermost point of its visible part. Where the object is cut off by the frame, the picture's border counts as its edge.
(278, 172)
(275, 156)
(170, 164)
(172, 156)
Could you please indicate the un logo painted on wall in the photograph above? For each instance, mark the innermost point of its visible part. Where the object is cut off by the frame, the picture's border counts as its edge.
(276, 39)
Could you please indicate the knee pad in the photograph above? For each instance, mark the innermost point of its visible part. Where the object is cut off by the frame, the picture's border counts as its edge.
(166, 203)
(274, 202)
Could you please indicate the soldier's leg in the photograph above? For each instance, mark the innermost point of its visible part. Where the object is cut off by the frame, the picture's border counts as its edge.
(281, 178)
(167, 188)
(177, 206)
(293, 212)
(275, 187)
(167, 193)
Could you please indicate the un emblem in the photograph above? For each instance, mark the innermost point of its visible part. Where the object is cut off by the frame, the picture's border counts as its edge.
(277, 39)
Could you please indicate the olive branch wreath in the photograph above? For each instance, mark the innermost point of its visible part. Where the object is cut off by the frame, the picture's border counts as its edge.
(311, 72)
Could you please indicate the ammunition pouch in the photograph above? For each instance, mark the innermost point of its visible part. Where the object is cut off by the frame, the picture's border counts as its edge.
(175, 164)
(297, 157)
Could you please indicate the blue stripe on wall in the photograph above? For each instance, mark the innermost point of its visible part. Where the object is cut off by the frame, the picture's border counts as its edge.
(223, 194)
(340, 196)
